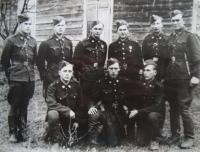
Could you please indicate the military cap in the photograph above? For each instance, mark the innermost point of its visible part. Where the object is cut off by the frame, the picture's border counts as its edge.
(176, 12)
(94, 23)
(149, 62)
(112, 61)
(154, 18)
(23, 18)
(63, 64)
(58, 19)
(120, 23)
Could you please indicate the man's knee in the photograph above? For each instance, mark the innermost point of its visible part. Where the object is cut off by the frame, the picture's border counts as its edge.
(53, 117)
(153, 116)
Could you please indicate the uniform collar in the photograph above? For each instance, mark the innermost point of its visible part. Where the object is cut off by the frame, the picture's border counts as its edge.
(58, 38)
(65, 86)
(123, 40)
(178, 32)
(23, 36)
(93, 39)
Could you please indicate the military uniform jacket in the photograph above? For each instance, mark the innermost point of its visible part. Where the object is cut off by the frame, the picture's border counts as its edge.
(110, 92)
(63, 98)
(148, 97)
(155, 46)
(184, 50)
(18, 57)
(88, 52)
(129, 54)
(52, 51)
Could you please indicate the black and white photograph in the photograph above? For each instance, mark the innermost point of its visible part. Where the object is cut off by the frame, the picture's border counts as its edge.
(99, 75)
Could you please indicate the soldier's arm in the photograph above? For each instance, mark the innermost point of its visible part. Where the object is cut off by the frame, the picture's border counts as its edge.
(41, 58)
(71, 51)
(110, 51)
(6, 56)
(145, 49)
(139, 54)
(35, 53)
(193, 45)
(53, 104)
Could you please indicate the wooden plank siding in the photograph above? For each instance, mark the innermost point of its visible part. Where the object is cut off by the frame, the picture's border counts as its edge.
(138, 12)
(71, 10)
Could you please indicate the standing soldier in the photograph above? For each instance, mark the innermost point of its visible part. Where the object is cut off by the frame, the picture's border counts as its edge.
(89, 59)
(18, 59)
(127, 51)
(182, 75)
(52, 51)
(155, 47)
(106, 111)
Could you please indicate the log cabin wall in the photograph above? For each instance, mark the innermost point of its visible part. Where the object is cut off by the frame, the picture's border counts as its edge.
(73, 12)
(138, 12)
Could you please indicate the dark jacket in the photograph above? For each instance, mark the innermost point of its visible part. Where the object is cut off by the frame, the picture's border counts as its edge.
(51, 52)
(88, 52)
(110, 93)
(63, 98)
(156, 46)
(149, 97)
(184, 50)
(129, 54)
(18, 57)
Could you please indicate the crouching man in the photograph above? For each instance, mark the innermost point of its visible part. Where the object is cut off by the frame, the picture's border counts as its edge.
(64, 106)
(106, 112)
(145, 110)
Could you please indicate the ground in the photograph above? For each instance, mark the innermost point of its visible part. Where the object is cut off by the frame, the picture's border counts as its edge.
(36, 124)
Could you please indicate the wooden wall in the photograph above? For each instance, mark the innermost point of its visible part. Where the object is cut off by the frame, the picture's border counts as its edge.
(138, 12)
(72, 10)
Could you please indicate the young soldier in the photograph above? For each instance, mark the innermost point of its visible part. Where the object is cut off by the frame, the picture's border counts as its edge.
(89, 58)
(106, 112)
(182, 75)
(52, 51)
(18, 59)
(145, 111)
(155, 47)
(64, 104)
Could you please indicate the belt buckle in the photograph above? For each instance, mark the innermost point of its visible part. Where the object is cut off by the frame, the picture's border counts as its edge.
(26, 63)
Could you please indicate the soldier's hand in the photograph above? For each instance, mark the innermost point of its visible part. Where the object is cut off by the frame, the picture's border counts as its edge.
(72, 114)
(125, 109)
(92, 111)
(133, 113)
(75, 125)
(194, 81)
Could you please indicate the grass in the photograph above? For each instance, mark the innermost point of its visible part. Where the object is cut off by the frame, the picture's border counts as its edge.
(36, 124)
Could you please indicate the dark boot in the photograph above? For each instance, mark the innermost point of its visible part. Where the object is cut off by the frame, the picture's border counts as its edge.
(12, 129)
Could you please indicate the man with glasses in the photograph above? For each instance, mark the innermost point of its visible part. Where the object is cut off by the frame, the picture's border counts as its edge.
(182, 75)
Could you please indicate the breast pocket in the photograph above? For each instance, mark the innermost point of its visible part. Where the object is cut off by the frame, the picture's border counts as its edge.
(55, 50)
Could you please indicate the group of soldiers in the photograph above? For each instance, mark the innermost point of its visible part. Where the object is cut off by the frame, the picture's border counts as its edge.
(113, 92)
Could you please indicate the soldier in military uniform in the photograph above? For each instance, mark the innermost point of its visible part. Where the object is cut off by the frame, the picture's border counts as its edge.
(107, 109)
(155, 47)
(64, 104)
(18, 59)
(52, 51)
(89, 58)
(145, 111)
(127, 51)
(182, 75)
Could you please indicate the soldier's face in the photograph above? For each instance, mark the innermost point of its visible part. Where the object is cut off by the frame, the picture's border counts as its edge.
(25, 27)
(177, 22)
(97, 30)
(157, 26)
(66, 73)
(123, 32)
(59, 28)
(113, 70)
(149, 72)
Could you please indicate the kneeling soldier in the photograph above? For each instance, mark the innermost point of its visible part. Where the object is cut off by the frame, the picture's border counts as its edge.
(106, 112)
(64, 104)
(145, 110)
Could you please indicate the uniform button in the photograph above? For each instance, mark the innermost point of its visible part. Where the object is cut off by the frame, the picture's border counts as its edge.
(123, 53)
(69, 86)
(63, 86)
(115, 90)
(123, 58)
(122, 48)
(123, 44)
(117, 81)
(110, 82)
